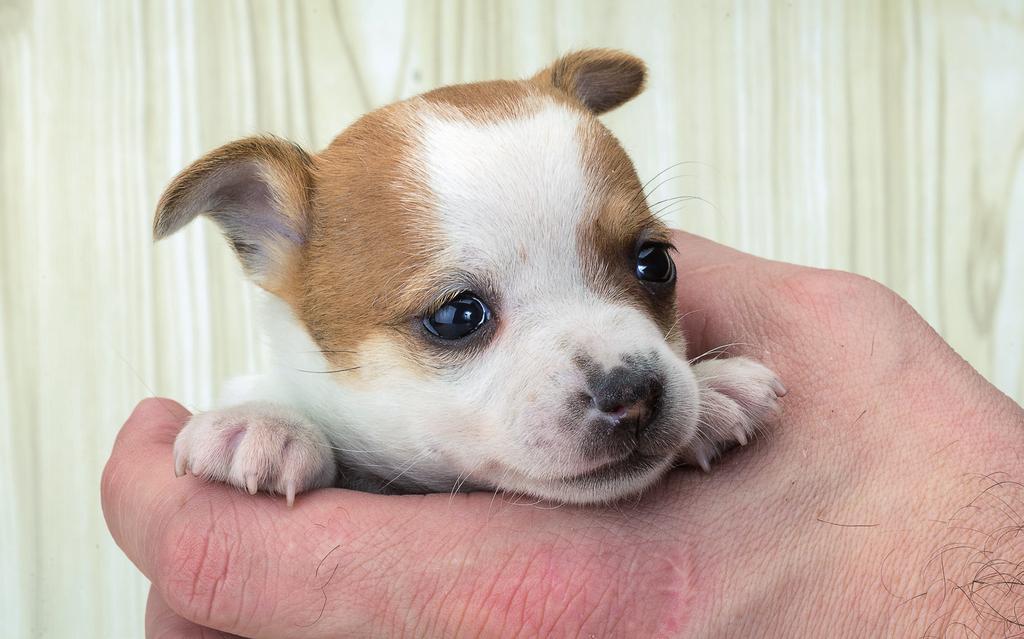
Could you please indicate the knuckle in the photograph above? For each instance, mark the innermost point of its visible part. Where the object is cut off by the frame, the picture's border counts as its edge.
(852, 327)
(200, 573)
(837, 298)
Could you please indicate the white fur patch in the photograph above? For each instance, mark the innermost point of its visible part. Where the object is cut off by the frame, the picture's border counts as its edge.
(511, 197)
(508, 189)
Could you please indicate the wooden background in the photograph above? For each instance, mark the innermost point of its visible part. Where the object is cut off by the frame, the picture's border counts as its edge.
(879, 136)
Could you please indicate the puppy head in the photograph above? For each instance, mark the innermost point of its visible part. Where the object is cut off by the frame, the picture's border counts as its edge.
(478, 270)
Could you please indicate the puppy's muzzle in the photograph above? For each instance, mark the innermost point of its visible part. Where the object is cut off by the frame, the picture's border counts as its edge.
(624, 401)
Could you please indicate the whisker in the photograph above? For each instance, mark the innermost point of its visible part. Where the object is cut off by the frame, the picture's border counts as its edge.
(642, 193)
(643, 187)
(455, 488)
(666, 181)
(718, 349)
(336, 370)
(669, 201)
(499, 488)
(163, 403)
(679, 321)
(416, 458)
(637, 206)
(461, 480)
(664, 213)
(678, 204)
(553, 506)
(640, 196)
(532, 503)
(668, 333)
(355, 451)
(494, 495)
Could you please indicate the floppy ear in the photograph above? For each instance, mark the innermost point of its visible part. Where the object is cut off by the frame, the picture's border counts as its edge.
(257, 190)
(601, 79)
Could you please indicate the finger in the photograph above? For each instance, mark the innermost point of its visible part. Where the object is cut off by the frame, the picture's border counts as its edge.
(164, 623)
(342, 563)
(153, 424)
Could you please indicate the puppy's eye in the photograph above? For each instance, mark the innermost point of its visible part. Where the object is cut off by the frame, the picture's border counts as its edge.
(654, 264)
(458, 318)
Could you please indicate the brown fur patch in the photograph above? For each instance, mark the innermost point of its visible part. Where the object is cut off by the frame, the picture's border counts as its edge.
(600, 79)
(620, 221)
(370, 254)
(258, 176)
(487, 101)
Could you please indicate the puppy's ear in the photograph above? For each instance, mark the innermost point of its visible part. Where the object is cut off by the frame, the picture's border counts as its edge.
(601, 79)
(258, 191)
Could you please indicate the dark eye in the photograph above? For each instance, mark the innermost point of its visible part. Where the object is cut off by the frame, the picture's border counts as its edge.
(654, 264)
(458, 318)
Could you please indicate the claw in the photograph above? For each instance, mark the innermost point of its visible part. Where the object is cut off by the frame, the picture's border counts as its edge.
(250, 483)
(702, 461)
(289, 492)
(180, 467)
(741, 436)
(779, 389)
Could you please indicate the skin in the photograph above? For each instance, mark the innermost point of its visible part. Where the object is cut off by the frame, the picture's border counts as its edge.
(884, 504)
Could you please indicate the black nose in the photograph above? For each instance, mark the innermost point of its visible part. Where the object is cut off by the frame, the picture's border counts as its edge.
(627, 398)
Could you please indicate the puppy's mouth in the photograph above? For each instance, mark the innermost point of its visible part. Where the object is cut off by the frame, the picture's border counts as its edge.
(632, 464)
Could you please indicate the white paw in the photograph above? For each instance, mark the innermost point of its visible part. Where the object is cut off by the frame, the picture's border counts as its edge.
(256, 446)
(738, 397)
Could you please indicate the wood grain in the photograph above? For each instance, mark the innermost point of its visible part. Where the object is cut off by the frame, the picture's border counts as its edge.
(882, 137)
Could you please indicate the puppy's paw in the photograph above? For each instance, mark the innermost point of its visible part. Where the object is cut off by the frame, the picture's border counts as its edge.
(256, 446)
(738, 397)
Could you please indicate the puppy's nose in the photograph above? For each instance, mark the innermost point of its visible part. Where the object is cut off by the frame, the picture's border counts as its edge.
(627, 398)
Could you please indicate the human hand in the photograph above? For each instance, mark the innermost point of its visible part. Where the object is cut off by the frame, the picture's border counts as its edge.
(877, 508)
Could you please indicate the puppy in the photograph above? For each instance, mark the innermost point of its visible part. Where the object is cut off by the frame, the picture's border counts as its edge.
(465, 291)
